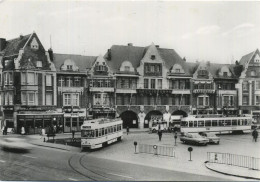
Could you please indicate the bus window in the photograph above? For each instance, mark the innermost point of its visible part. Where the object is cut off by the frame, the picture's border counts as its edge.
(208, 123)
(96, 133)
(103, 131)
(115, 128)
(228, 122)
(234, 122)
(190, 123)
(200, 123)
(195, 123)
(245, 122)
(221, 122)
(108, 130)
(120, 127)
(214, 123)
(99, 132)
(87, 133)
(184, 123)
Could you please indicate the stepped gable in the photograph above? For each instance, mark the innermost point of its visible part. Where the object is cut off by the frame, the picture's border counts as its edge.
(83, 62)
(14, 45)
(117, 54)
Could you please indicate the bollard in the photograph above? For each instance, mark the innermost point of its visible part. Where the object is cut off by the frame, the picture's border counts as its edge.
(155, 149)
(135, 144)
(175, 137)
(190, 149)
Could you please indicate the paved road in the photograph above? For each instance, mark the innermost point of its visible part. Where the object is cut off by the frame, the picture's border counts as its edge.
(53, 164)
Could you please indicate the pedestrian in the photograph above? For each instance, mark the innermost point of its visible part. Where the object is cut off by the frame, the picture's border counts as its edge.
(73, 134)
(55, 128)
(255, 134)
(5, 130)
(160, 134)
(127, 130)
(22, 130)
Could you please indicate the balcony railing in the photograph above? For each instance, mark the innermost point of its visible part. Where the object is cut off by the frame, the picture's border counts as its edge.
(204, 91)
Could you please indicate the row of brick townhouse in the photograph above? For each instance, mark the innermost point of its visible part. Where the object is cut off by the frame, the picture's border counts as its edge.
(139, 84)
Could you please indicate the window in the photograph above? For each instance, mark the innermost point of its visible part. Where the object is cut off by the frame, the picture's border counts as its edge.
(75, 99)
(23, 78)
(97, 99)
(48, 99)
(203, 72)
(69, 82)
(8, 77)
(200, 101)
(61, 82)
(48, 80)
(159, 83)
(245, 100)
(177, 70)
(245, 86)
(77, 82)
(152, 57)
(152, 83)
(31, 98)
(257, 84)
(253, 73)
(203, 100)
(152, 68)
(257, 100)
(30, 79)
(66, 99)
(24, 98)
(39, 64)
(225, 74)
(122, 83)
(69, 67)
(146, 83)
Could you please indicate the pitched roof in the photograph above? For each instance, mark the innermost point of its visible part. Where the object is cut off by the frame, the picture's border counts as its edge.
(134, 54)
(83, 62)
(246, 58)
(14, 45)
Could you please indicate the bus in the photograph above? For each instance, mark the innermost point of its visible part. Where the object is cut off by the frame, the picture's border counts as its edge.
(218, 125)
(100, 132)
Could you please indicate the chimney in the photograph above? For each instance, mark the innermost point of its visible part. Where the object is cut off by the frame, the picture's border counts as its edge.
(109, 54)
(157, 46)
(184, 59)
(130, 44)
(50, 51)
(2, 44)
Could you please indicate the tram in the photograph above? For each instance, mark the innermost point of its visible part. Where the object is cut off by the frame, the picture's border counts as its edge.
(100, 132)
(218, 124)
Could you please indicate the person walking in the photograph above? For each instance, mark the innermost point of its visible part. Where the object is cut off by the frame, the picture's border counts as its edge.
(255, 134)
(127, 130)
(22, 130)
(160, 134)
(5, 130)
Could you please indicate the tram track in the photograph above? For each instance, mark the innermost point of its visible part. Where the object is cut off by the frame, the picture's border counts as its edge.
(88, 173)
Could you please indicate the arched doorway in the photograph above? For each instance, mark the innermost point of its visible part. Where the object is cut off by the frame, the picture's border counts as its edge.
(130, 119)
(152, 116)
(180, 113)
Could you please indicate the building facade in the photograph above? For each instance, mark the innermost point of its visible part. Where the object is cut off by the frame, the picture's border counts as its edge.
(142, 85)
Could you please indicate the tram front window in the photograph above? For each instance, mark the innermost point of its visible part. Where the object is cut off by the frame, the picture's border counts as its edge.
(207, 123)
(214, 123)
(190, 123)
(184, 123)
(87, 133)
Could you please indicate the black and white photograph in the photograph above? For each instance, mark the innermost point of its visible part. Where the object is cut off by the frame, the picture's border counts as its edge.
(129, 90)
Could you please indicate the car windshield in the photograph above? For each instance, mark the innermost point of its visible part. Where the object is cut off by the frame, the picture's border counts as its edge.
(196, 135)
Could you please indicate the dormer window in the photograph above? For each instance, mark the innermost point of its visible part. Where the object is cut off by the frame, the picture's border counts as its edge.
(177, 70)
(69, 67)
(152, 57)
(225, 74)
(34, 44)
(203, 72)
(127, 68)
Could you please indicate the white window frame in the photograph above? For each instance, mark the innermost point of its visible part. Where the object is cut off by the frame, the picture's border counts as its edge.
(39, 64)
(75, 99)
(49, 101)
(48, 80)
(67, 99)
(204, 100)
(97, 98)
(23, 98)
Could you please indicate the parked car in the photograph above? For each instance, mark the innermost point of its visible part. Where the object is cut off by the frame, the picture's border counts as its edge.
(194, 138)
(15, 144)
(211, 137)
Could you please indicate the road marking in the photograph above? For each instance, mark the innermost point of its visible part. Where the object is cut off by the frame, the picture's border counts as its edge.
(121, 175)
(72, 179)
(30, 156)
(2, 161)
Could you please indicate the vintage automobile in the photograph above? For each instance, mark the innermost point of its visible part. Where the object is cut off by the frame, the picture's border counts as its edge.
(15, 144)
(194, 138)
(211, 137)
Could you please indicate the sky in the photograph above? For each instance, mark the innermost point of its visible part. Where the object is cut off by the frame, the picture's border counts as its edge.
(215, 31)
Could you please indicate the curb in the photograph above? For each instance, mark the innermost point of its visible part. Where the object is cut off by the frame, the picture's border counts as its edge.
(50, 146)
(247, 177)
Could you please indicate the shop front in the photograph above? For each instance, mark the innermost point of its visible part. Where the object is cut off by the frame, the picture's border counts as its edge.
(34, 123)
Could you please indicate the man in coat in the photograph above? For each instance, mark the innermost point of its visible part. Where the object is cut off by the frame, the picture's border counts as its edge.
(255, 134)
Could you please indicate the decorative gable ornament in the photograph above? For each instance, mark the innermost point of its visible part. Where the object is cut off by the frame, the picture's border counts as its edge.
(28, 65)
(126, 66)
(177, 69)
